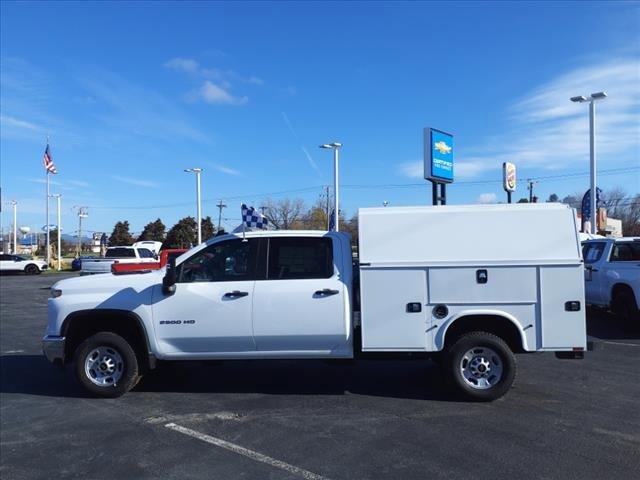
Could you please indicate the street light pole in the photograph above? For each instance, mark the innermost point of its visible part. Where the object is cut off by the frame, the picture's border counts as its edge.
(592, 152)
(197, 171)
(59, 228)
(335, 146)
(15, 226)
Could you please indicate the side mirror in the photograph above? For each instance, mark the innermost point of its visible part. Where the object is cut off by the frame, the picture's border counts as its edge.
(169, 279)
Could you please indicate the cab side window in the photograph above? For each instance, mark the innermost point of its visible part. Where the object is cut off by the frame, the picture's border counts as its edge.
(300, 257)
(228, 261)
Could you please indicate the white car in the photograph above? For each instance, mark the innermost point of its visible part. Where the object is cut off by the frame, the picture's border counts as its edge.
(612, 276)
(16, 263)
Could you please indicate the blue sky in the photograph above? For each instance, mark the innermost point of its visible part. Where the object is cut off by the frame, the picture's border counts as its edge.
(132, 93)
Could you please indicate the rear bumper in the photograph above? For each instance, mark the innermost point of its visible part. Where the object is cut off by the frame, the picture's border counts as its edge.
(53, 348)
(575, 354)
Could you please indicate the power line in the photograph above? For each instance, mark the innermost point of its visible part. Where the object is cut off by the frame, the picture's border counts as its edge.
(546, 178)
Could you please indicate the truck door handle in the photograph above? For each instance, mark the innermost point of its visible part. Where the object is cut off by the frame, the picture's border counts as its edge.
(325, 292)
(235, 294)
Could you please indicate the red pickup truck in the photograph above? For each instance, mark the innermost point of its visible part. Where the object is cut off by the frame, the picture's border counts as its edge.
(165, 256)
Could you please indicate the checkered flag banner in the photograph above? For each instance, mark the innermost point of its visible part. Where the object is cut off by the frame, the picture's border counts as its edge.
(253, 219)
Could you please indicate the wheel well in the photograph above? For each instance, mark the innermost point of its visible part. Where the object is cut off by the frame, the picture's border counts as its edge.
(618, 288)
(495, 324)
(81, 325)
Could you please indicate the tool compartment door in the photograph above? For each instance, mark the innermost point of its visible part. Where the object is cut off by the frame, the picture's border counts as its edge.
(388, 324)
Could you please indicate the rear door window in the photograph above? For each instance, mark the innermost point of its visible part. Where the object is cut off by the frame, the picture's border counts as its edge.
(626, 252)
(300, 257)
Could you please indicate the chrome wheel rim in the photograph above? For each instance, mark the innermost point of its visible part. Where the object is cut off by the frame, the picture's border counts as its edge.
(481, 368)
(104, 366)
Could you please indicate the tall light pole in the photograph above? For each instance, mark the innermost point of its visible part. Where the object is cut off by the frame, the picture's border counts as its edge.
(82, 213)
(59, 228)
(592, 149)
(197, 171)
(335, 146)
(14, 204)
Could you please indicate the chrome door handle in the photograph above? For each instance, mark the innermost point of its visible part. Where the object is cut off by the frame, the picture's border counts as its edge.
(326, 292)
(235, 294)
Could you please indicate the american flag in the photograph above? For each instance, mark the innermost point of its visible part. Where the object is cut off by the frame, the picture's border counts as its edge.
(47, 161)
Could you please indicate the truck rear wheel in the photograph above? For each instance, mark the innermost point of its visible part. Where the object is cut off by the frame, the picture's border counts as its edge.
(106, 365)
(480, 366)
(624, 306)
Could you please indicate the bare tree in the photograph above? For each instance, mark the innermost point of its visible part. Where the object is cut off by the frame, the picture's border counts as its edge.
(625, 208)
(285, 214)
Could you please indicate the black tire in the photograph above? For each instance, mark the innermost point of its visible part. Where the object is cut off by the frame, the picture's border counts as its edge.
(32, 269)
(127, 370)
(453, 366)
(625, 308)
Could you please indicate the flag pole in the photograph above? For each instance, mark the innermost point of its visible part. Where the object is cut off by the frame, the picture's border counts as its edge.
(47, 224)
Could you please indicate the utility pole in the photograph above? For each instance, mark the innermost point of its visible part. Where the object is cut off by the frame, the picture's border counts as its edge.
(59, 228)
(15, 226)
(530, 184)
(82, 213)
(220, 207)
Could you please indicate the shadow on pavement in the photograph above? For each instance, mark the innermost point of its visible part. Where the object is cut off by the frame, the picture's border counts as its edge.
(34, 375)
(606, 326)
(395, 379)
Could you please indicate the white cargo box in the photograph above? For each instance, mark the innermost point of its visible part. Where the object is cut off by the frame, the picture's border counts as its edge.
(528, 254)
(539, 233)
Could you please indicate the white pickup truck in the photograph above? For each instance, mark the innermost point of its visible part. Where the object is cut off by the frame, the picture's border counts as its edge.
(468, 285)
(125, 254)
(612, 276)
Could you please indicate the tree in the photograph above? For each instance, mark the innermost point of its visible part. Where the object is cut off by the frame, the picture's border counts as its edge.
(553, 198)
(624, 207)
(120, 234)
(208, 230)
(523, 200)
(154, 231)
(183, 234)
(285, 214)
(53, 240)
(572, 200)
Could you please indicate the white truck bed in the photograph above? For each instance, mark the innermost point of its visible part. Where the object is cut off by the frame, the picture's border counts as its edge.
(529, 254)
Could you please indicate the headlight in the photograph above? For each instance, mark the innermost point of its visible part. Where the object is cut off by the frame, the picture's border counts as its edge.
(55, 292)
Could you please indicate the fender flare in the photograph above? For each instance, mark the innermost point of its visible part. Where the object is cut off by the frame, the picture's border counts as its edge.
(442, 332)
(113, 311)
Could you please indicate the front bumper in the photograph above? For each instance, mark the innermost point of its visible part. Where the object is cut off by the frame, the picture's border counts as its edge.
(53, 348)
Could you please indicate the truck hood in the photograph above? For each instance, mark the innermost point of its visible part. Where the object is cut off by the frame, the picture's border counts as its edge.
(107, 283)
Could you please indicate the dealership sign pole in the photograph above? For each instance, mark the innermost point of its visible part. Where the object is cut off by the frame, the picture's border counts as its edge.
(438, 162)
(509, 179)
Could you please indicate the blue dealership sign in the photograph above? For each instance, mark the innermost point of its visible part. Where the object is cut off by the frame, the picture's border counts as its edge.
(438, 156)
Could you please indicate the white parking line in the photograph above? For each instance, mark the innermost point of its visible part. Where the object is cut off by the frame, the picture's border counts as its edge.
(307, 475)
(622, 343)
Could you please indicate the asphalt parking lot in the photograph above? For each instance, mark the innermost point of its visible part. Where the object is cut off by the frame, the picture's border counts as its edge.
(287, 419)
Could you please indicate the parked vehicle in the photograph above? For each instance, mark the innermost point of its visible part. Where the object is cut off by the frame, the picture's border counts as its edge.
(76, 263)
(468, 285)
(16, 263)
(612, 276)
(165, 256)
(117, 255)
(149, 244)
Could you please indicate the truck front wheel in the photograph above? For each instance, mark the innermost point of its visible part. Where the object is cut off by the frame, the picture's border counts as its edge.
(106, 365)
(480, 366)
